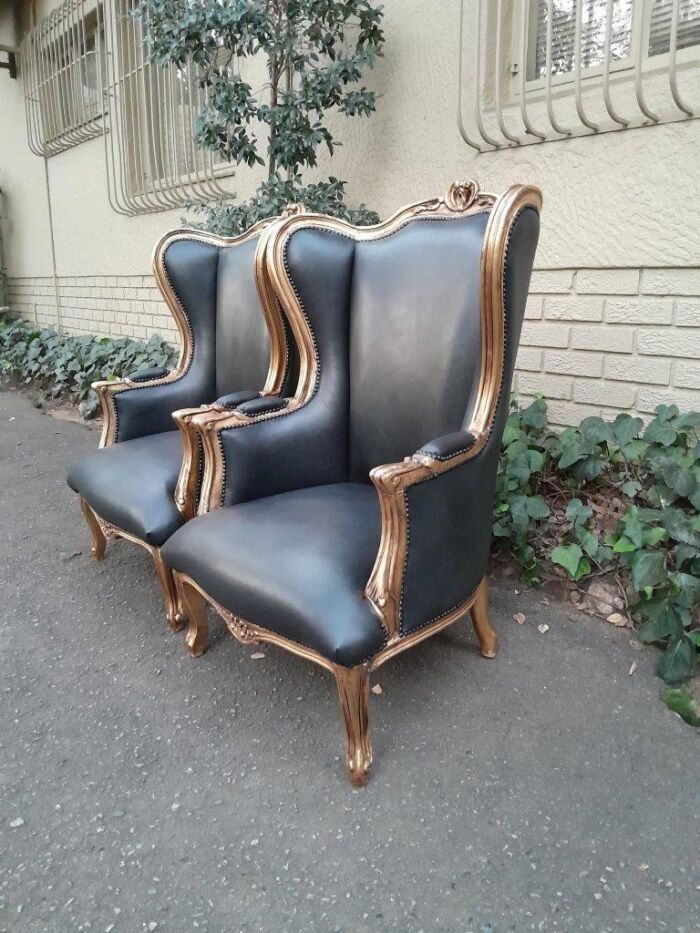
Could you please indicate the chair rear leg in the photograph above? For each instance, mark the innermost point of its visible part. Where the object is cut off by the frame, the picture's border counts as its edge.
(353, 697)
(167, 585)
(194, 610)
(485, 632)
(98, 541)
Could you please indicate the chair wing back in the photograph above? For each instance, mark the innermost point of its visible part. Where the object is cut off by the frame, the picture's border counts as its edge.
(415, 336)
(393, 320)
(229, 341)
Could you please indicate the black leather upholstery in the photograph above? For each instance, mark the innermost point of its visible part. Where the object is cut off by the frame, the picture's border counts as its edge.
(414, 337)
(216, 288)
(132, 484)
(151, 372)
(242, 345)
(396, 324)
(295, 563)
(450, 516)
(192, 268)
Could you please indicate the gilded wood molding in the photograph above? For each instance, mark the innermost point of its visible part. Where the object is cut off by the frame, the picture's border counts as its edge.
(391, 480)
(352, 682)
(102, 531)
(107, 389)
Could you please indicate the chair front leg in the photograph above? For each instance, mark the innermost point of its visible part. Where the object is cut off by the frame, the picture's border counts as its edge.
(173, 611)
(194, 610)
(99, 540)
(485, 632)
(353, 697)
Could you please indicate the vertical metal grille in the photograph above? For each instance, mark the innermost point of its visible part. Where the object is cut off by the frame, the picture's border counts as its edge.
(86, 69)
(153, 162)
(63, 88)
(542, 70)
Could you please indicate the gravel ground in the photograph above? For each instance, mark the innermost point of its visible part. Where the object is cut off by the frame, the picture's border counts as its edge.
(143, 790)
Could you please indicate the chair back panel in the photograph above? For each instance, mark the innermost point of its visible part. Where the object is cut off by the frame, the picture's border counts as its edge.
(192, 268)
(415, 337)
(242, 343)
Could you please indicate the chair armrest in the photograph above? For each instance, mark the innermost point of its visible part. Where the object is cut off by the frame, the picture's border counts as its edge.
(189, 423)
(143, 402)
(263, 447)
(436, 529)
(146, 375)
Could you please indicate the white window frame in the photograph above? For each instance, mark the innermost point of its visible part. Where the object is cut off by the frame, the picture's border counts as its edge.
(508, 29)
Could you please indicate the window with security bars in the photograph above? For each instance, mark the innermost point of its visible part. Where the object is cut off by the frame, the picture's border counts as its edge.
(63, 83)
(606, 24)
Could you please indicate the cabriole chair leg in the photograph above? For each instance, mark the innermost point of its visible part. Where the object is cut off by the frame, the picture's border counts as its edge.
(485, 632)
(353, 696)
(195, 612)
(167, 585)
(98, 541)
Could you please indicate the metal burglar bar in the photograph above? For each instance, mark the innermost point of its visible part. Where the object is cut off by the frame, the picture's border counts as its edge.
(86, 69)
(61, 76)
(153, 163)
(553, 69)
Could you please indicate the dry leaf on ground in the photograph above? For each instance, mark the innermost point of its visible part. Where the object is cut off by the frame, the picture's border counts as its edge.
(616, 618)
(377, 689)
(543, 628)
(519, 618)
(257, 656)
(633, 668)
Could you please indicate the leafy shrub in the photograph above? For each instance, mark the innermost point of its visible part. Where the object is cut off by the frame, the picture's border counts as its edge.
(614, 497)
(65, 367)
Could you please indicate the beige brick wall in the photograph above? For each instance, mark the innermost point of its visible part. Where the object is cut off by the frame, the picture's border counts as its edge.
(594, 341)
(108, 306)
(602, 341)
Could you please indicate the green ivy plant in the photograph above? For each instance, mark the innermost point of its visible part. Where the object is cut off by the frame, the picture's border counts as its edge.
(315, 53)
(65, 367)
(612, 497)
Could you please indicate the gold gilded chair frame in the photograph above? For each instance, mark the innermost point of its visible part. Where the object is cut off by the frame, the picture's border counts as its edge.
(103, 531)
(391, 480)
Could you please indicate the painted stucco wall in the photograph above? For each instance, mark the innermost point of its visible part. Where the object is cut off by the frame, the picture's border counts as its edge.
(614, 321)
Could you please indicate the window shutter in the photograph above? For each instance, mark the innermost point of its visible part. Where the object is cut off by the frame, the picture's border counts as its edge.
(593, 33)
(660, 26)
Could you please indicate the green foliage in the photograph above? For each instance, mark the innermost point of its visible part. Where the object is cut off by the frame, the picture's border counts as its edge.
(316, 52)
(680, 700)
(65, 367)
(614, 497)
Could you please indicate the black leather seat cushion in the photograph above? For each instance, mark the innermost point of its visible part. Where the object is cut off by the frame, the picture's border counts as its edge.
(295, 563)
(132, 484)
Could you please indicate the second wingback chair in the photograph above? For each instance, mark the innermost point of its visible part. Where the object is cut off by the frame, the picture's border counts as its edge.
(352, 520)
(137, 485)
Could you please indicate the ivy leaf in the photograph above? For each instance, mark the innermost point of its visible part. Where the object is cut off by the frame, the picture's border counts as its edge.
(680, 700)
(660, 432)
(588, 541)
(537, 507)
(577, 513)
(571, 558)
(688, 587)
(678, 661)
(625, 428)
(631, 488)
(648, 569)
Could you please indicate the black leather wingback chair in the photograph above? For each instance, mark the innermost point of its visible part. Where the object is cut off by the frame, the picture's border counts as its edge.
(357, 520)
(137, 485)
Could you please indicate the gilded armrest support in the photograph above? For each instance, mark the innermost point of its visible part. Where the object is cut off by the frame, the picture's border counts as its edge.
(200, 429)
(106, 390)
(391, 481)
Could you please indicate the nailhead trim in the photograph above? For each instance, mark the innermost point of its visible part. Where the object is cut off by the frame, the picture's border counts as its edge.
(489, 431)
